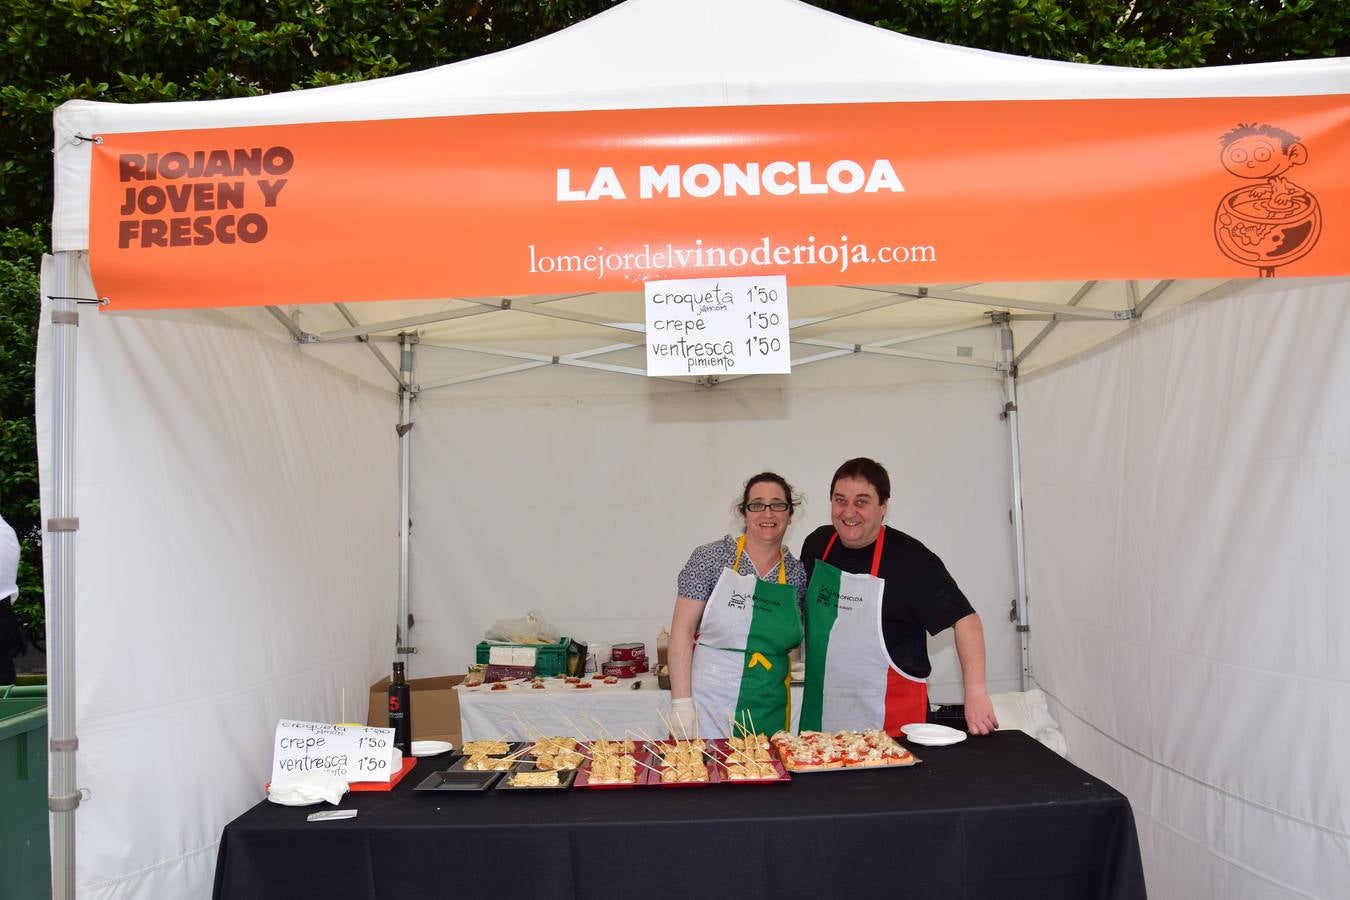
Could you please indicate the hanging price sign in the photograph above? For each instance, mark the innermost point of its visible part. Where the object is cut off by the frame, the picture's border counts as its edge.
(718, 326)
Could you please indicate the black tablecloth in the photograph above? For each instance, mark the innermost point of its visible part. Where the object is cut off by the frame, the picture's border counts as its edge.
(997, 816)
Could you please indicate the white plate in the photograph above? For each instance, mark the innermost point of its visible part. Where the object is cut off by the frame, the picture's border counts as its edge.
(431, 748)
(282, 801)
(930, 731)
(936, 741)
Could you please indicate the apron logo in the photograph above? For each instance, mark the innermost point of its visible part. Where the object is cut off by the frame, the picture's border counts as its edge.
(738, 600)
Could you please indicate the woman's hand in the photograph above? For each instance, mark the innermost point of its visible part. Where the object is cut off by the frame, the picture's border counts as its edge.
(683, 718)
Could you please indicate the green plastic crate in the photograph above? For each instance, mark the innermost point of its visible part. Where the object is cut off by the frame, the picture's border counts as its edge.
(25, 851)
(549, 659)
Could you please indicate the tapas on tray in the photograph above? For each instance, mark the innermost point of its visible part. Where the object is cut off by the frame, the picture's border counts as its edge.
(824, 751)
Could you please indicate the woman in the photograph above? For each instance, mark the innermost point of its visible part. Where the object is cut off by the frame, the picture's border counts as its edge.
(737, 615)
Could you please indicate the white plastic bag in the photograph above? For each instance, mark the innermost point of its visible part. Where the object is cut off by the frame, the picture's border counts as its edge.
(530, 630)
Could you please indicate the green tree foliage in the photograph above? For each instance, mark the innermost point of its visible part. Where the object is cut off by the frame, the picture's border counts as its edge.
(19, 254)
(140, 51)
(143, 51)
(1149, 33)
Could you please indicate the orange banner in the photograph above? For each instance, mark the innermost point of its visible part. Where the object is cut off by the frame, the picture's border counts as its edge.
(874, 193)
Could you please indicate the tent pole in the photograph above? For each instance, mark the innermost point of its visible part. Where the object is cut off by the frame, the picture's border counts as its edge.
(1009, 367)
(407, 393)
(63, 796)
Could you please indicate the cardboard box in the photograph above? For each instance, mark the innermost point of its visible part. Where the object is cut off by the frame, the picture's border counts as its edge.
(435, 708)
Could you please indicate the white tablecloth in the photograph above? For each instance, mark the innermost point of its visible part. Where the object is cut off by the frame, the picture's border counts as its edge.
(627, 708)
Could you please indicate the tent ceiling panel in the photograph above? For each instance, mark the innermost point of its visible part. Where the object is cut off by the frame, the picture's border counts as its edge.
(494, 338)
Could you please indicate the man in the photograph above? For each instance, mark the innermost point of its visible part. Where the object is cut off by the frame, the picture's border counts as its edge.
(11, 633)
(859, 675)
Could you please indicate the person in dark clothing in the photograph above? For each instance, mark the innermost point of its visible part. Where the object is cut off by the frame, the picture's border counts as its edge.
(11, 642)
(874, 595)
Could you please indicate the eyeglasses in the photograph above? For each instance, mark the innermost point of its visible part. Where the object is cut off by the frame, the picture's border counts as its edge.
(759, 506)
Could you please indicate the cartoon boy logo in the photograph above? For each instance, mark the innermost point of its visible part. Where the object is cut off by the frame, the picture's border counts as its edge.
(1273, 221)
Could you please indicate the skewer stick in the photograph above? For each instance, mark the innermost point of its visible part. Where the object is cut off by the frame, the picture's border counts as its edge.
(646, 737)
(527, 727)
(638, 762)
(575, 727)
(683, 730)
(517, 755)
(670, 726)
(645, 766)
(604, 732)
(653, 743)
(591, 760)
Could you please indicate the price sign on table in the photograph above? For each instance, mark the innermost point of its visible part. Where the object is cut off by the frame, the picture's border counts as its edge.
(352, 753)
(718, 326)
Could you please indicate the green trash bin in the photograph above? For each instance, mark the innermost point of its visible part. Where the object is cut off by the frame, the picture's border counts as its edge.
(25, 852)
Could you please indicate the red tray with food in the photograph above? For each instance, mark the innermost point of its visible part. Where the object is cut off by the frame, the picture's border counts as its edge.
(747, 764)
(682, 764)
(621, 770)
(680, 777)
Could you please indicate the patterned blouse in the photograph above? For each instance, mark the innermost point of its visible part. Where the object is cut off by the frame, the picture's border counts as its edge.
(699, 575)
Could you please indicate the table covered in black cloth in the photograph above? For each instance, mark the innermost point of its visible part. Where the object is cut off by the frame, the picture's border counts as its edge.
(998, 816)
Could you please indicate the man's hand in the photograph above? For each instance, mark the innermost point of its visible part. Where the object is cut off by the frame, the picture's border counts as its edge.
(970, 651)
(980, 717)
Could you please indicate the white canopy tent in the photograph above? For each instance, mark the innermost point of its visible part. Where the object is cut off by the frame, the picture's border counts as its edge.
(237, 474)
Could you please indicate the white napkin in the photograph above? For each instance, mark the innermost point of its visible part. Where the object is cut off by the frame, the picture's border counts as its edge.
(308, 787)
(1029, 712)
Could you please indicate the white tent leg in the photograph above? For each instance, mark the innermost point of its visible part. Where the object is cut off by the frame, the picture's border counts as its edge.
(63, 797)
(407, 341)
(1002, 321)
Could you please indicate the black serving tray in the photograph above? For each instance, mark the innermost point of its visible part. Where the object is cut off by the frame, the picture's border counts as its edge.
(473, 782)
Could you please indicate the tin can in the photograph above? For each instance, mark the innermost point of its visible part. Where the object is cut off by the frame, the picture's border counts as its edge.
(642, 665)
(626, 652)
(624, 669)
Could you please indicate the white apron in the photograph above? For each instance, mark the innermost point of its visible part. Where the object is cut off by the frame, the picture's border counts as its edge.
(740, 665)
(851, 683)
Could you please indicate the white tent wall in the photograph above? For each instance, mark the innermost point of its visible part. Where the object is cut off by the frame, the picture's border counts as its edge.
(1187, 497)
(585, 507)
(238, 564)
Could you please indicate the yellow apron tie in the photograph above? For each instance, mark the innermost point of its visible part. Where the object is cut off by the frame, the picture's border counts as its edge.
(782, 562)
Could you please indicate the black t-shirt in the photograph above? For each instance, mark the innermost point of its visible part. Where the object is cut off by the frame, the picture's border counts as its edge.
(920, 595)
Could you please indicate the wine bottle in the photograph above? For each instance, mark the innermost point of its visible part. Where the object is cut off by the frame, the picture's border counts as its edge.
(400, 710)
